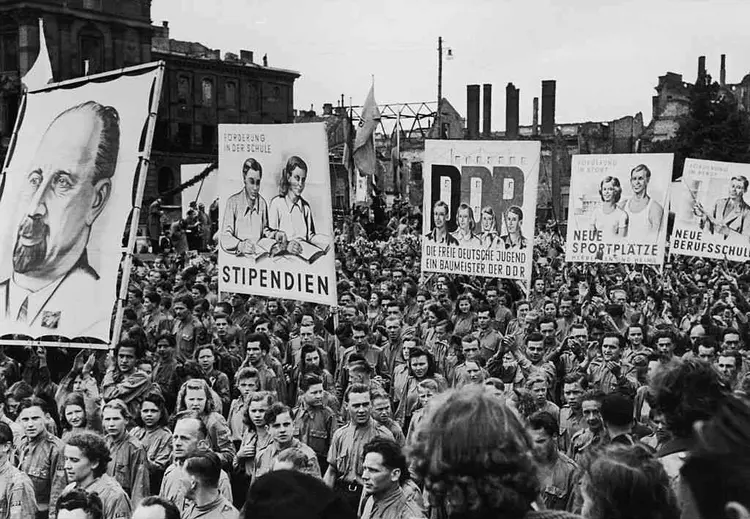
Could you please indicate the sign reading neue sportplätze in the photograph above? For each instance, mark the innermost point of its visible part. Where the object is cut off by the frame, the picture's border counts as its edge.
(618, 208)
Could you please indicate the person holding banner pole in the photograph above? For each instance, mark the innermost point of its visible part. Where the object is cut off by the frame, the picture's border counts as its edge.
(609, 219)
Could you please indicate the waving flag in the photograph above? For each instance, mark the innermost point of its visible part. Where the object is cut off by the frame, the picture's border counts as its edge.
(364, 145)
(40, 74)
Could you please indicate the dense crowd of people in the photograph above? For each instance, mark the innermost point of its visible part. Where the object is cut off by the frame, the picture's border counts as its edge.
(608, 391)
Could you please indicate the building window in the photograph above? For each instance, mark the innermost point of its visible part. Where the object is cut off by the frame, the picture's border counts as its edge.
(183, 89)
(91, 50)
(207, 88)
(254, 97)
(208, 136)
(184, 136)
(161, 135)
(164, 183)
(8, 49)
(231, 93)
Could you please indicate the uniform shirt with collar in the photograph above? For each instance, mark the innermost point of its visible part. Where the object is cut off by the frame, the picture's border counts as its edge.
(489, 342)
(129, 466)
(17, 500)
(42, 459)
(266, 458)
(584, 440)
(570, 423)
(186, 336)
(116, 504)
(345, 454)
(158, 445)
(294, 219)
(314, 426)
(243, 220)
(558, 489)
(173, 489)
(220, 508)
(393, 505)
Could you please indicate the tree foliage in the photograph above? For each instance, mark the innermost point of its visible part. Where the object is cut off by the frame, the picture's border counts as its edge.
(715, 129)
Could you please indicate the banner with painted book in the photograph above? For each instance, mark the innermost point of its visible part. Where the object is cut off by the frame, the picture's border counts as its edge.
(275, 216)
(618, 208)
(480, 207)
(712, 214)
(67, 192)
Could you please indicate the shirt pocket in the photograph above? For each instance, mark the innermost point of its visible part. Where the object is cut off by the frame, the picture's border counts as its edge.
(554, 497)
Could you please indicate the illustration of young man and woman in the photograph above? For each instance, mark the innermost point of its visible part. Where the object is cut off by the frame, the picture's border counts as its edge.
(514, 238)
(644, 213)
(608, 218)
(284, 226)
(730, 215)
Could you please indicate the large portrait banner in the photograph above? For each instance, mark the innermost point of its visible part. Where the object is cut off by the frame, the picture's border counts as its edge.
(480, 207)
(67, 192)
(618, 208)
(276, 221)
(712, 215)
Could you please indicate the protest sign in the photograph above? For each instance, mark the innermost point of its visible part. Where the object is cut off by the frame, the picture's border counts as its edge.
(618, 208)
(480, 207)
(67, 193)
(712, 216)
(203, 192)
(276, 224)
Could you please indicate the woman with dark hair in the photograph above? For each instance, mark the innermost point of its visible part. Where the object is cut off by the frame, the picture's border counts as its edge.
(421, 367)
(375, 313)
(310, 361)
(81, 381)
(463, 316)
(74, 415)
(626, 482)
(290, 215)
(155, 436)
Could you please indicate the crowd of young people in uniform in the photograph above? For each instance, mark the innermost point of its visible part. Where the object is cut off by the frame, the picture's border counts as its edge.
(580, 394)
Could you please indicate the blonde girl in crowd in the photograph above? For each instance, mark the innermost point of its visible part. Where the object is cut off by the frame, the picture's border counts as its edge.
(196, 395)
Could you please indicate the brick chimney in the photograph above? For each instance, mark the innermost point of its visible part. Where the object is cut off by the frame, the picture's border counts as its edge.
(472, 110)
(549, 87)
(487, 109)
(512, 98)
(723, 72)
(535, 118)
(701, 67)
(246, 56)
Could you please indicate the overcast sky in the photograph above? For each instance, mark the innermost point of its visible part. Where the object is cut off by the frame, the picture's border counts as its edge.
(606, 55)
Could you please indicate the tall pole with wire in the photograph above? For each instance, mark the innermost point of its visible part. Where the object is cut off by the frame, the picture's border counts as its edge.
(440, 88)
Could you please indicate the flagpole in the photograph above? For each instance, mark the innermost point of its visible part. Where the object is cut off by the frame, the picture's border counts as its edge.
(398, 151)
(440, 88)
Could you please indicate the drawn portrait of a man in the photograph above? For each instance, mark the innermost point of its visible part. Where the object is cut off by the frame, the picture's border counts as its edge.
(64, 191)
(245, 214)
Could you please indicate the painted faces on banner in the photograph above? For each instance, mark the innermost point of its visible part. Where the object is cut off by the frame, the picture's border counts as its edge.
(712, 214)
(67, 196)
(480, 207)
(276, 235)
(618, 208)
